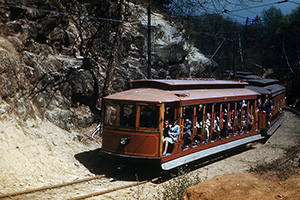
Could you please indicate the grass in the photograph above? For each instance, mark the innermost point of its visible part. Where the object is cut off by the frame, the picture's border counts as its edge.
(281, 170)
(174, 188)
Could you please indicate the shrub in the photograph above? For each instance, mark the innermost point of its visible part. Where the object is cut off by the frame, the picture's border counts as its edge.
(174, 188)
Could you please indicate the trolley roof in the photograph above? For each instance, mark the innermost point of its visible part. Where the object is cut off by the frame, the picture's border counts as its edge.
(260, 90)
(185, 97)
(275, 89)
(182, 84)
(262, 82)
(253, 77)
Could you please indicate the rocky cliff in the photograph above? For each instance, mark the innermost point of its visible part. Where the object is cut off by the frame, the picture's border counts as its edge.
(55, 56)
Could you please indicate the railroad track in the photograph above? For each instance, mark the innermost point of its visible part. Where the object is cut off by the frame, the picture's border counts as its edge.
(295, 151)
(46, 189)
(292, 109)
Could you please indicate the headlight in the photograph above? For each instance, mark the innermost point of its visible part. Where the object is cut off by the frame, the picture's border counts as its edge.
(124, 140)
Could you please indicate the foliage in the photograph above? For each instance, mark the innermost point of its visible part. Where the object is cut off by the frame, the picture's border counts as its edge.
(211, 31)
(270, 41)
(175, 188)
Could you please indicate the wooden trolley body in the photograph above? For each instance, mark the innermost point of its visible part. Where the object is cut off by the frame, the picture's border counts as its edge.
(134, 120)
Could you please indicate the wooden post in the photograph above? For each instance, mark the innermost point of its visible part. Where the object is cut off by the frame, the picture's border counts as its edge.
(248, 115)
(235, 121)
(180, 121)
(255, 123)
(203, 123)
(228, 117)
(212, 120)
(221, 117)
(137, 117)
(194, 122)
(117, 124)
(161, 125)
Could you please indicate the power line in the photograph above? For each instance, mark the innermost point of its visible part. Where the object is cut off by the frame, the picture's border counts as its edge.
(230, 12)
(217, 36)
(293, 2)
(258, 6)
(64, 13)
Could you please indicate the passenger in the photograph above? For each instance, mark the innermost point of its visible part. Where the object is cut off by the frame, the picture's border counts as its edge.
(207, 126)
(269, 108)
(166, 129)
(224, 129)
(243, 123)
(250, 123)
(259, 105)
(216, 129)
(197, 137)
(187, 132)
(230, 130)
(244, 105)
(171, 135)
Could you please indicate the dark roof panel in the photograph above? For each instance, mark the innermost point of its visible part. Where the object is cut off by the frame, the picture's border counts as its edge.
(262, 82)
(253, 77)
(243, 73)
(260, 90)
(275, 89)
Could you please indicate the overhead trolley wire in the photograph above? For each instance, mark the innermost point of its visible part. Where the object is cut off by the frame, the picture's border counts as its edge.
(230, 12)
(293, 2)
(77, 15)
(63, 13)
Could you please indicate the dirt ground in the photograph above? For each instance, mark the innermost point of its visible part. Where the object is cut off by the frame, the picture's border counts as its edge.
(245, 186)
(38, 154)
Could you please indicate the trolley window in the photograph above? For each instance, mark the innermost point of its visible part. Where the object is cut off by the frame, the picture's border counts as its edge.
(127, 115)
(149, 116)
(110, 114)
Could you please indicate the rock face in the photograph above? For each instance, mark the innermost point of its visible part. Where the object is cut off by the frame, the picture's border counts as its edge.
(53, 65)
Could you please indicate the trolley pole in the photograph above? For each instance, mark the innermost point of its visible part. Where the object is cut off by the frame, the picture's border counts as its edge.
(149, 42)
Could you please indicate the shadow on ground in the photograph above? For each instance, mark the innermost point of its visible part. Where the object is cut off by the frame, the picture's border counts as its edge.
(132, 172)
(113, 169)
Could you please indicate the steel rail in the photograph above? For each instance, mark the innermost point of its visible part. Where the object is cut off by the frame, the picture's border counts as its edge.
(289, 156)
(50, 187)
(291, 109)
(113, 189)
(292, 154)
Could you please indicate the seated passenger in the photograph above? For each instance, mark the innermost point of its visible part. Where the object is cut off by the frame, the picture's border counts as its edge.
(187, 132)
(250, 123)
(216, 129)
(230, 130)
(166, 129)
(207, 126)
(171, 135)
(198, 136)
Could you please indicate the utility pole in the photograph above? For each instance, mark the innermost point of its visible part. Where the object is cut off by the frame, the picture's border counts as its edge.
(241, 52)
(149, 41)
(233, 58)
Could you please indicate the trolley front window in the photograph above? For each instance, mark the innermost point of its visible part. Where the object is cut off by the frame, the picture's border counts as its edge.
(110, 114)
(127, 115)
(149, 116)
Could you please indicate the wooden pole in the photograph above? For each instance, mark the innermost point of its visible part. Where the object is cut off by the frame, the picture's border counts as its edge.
(149, 41)
(161, 125)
